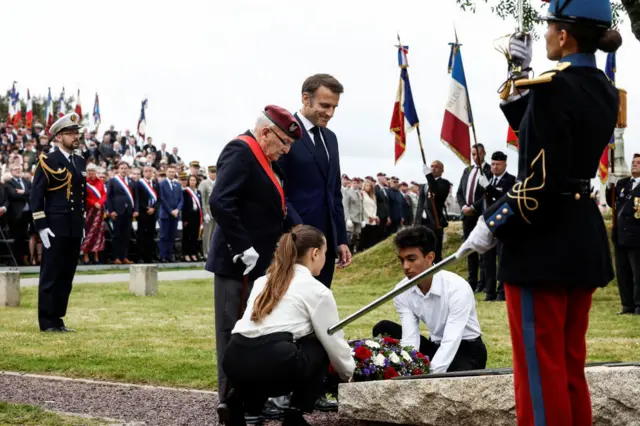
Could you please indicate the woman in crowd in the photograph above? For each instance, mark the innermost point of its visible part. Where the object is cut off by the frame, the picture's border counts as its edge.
(281, 344)
(191, 219)
(370, 231)
(94, 224)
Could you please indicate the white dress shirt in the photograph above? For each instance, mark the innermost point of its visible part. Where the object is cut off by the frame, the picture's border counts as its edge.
(635, 183)
(307, 307)
(448, 310)
(308, 125)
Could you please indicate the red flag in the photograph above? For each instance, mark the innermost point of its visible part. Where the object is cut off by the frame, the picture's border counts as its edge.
(78, 108)
(29, 114)
(512, 139)
(397, 124)
(603, 168)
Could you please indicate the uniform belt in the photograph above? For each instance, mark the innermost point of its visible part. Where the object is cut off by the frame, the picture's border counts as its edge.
(577, 186)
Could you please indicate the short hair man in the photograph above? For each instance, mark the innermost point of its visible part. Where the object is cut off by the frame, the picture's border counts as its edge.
(171, 201)
(122, 207)
(431, 203)
(148, 198)
(444, 302)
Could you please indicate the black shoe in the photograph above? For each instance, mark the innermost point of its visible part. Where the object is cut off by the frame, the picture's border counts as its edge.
(626, 311)
(479, 290)
(637, 312)
(490, 299)
(64, 329)
(227, 417)
(501, 298)
(294, 417)
(271, 411)
(52, 330)
(323, 404)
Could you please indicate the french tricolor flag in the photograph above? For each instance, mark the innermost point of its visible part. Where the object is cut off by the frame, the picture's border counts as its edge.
(49, 111)
(457, 114)
(29, 113)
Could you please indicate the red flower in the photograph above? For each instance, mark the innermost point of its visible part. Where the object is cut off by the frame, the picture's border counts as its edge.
(419, 355)
(390, 372)
(391, 340)
(363, 353)
(417, 372)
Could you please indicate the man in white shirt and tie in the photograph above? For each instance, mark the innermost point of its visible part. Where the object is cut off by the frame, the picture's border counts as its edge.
(444, 302)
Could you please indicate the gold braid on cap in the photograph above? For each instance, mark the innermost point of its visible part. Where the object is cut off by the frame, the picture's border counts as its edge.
(520, 189)
(63, 175)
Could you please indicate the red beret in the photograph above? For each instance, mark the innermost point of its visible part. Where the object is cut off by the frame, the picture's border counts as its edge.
(370, 178)
(381, 174)
(284, 120)
(344, 176)
(404, 184)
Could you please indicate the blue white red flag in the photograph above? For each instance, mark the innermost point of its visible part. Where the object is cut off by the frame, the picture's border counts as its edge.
(457, 114)
(404, 109)
(61, 107)
(95, 116)
(603, 168)
(48, 115)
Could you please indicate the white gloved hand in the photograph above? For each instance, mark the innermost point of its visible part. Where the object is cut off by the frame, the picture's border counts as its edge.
(521, 50)
(44, 236)
(483, 181)
(207, 218)
(349, 225)
(249, 257)
(612, 180)
(364, 223)
(480, 240)
(426, 169)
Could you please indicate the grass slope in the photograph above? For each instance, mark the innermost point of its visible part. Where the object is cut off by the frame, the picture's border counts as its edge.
(27, 415)
(169, 339)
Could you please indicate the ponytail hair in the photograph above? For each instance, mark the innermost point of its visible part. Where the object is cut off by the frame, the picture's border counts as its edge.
(292, 247)
(590, 38)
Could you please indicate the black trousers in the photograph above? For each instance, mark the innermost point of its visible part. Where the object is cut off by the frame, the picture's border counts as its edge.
(56, 276)
(20, 233)
(326, 275)
(121, 235)
(471, 355)
(383, 229)
(468, 223)
(489, 260)
(146, 237)
(190, 234)
(369, 236)
(628, 272)
(275, 365)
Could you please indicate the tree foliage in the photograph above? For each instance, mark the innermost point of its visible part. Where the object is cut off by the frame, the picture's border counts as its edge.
(534, 9)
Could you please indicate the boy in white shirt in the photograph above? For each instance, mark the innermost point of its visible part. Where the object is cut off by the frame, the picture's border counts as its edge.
(444, 302)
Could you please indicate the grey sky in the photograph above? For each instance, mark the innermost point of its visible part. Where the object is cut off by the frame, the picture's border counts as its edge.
(208, 68)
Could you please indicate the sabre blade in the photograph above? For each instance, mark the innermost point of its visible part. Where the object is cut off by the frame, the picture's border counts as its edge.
(396, 291)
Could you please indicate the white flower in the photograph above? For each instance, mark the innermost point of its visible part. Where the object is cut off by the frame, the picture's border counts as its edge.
(379, 360)
(394, 358)
(406, 356)
(372, 344)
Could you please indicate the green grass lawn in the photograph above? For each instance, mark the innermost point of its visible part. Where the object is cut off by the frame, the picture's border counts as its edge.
(27, 415)
(169, 339)
(111, 271)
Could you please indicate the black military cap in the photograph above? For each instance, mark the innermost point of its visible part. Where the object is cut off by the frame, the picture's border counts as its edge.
(499, 156)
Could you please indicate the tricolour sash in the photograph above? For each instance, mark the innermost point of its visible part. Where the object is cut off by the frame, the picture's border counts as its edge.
(126, 188)
(94, 190)
(262, 159)
(195, 199)
(150, 190)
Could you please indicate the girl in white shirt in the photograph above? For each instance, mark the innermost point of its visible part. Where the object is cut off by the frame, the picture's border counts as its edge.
(281, 344)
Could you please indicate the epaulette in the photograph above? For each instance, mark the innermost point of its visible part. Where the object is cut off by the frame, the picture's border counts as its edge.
(544, 77)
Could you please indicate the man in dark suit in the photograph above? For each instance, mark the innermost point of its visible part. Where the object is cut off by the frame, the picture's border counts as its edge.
(57, 200)
(500, 184)
(171, 201)
(249, 208)
(396, 203)
(470, 191)
(122, 208)
(431, 204)
(626, 237)
(382, 206)
(148, 202)
(313, 185)
(19, 216)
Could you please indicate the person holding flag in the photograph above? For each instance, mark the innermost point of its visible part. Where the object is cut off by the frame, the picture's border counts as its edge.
(555, 245)
(122, 208)
(94, 222)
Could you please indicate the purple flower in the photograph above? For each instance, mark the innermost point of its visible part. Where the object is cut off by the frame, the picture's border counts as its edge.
(367, 372)
(358, 344)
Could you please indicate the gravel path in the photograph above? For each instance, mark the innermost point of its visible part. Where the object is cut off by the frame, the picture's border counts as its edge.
(131, 404)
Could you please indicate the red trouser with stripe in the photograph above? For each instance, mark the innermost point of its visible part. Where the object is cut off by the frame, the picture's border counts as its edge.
(548, 336)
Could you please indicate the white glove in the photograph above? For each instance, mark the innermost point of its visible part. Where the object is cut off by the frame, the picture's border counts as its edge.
(612, 180)
(207, 218)
(349, 225)
(44, 236)
(426, 169)
(483, 181)
(249, 258)
(480, 240)
(521, 50)
(364, 223)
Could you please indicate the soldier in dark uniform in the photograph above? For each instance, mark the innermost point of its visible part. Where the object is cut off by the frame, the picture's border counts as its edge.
(556, 251)
(626, 237)
(57, 201)
(249, 208)
(431, 203)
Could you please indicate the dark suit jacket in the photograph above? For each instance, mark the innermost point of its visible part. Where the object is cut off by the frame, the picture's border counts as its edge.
(464, 181)
(17, 201)
(626, 232)
(247, 208)
(117, 199)
(494, 193)
(438, 193)
(170, 200)
(396, 202)
(4, 202)
(314, 196)
(145, 200)
(382, 203)
(188, 212)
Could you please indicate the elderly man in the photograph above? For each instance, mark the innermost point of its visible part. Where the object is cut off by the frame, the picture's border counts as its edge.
(249, 208)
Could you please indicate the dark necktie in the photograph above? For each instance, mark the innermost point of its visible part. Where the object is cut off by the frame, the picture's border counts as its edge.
(321, 153)
(73, 164)
(472, 189)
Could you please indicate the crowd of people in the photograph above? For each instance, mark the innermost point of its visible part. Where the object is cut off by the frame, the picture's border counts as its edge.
(143, 202)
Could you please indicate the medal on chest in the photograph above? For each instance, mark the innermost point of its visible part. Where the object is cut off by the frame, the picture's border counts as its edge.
(636, 207)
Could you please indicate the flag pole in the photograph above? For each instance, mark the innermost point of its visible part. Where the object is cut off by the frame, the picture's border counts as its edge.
(473, 120)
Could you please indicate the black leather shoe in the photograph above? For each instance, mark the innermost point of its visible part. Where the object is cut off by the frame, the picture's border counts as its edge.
(64, 329)
(637, 312)
(626, 311)
(52, 330)
(501, 298)
(271, 411)
(227, 417)
(323, 404)
(489, 299)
